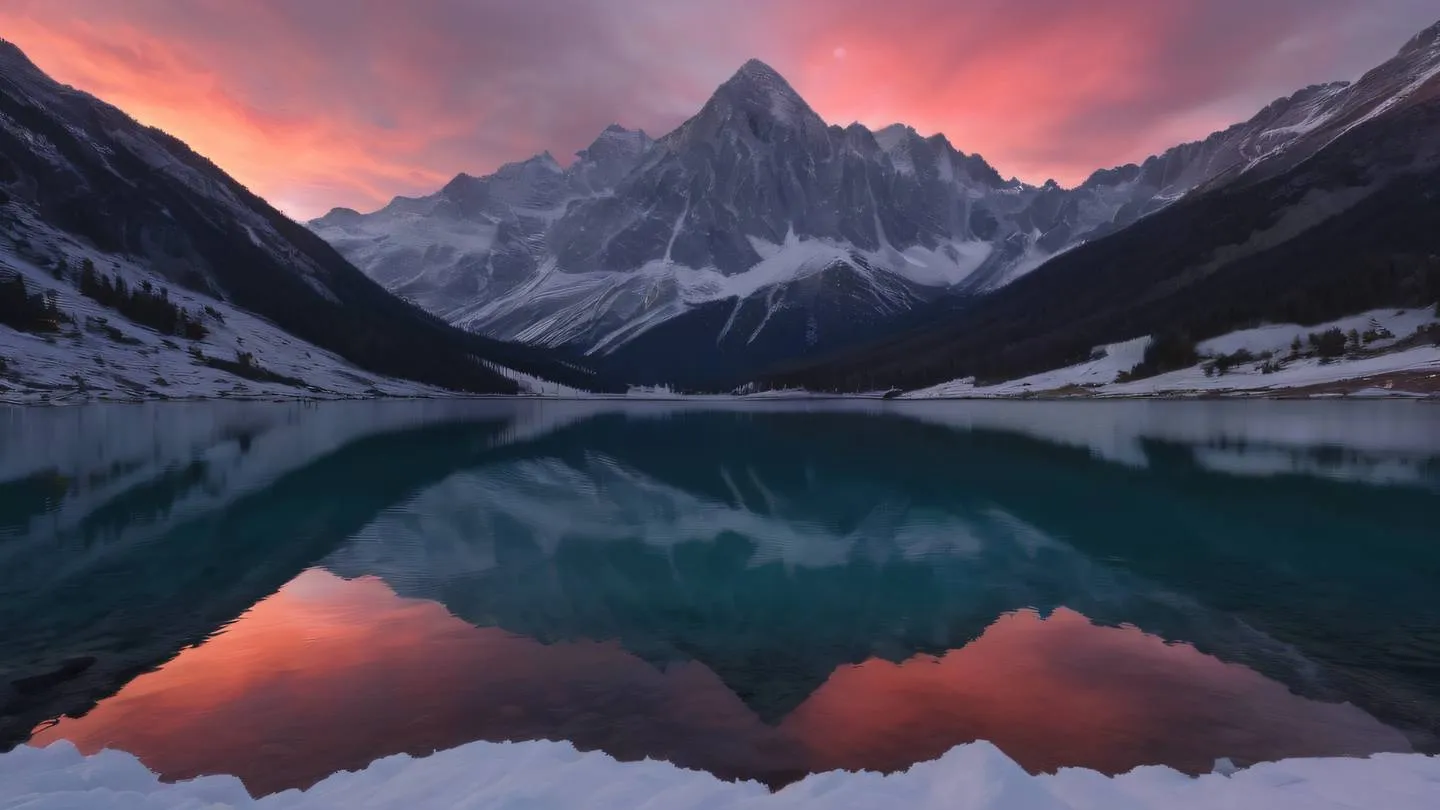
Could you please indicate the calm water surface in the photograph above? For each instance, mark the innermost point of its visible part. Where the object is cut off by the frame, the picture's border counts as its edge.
(280, 591)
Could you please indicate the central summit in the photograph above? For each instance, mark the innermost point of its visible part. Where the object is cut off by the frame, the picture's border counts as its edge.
(756, 99)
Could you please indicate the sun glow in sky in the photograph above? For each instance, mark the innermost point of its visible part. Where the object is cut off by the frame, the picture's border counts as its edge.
(321, 103)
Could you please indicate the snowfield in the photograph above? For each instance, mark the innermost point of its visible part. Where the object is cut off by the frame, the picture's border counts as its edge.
(85, 363)
(1097, 376)
(543, 775)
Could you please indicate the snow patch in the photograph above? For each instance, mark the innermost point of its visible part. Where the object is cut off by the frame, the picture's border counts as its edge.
(1279, 337)
(1097, 376)
(606, 310)
(1106, 363)
(1298, 374)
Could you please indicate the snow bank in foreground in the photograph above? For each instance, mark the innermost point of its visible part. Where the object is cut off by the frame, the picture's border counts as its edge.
(540, 775)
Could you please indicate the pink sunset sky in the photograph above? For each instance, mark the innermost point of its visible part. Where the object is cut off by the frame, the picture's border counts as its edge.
(321, 103)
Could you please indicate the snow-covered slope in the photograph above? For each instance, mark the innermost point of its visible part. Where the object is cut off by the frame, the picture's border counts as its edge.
(756, 231)
(102, 355)
(1098, 376)
(546, 775)
(1412, 77)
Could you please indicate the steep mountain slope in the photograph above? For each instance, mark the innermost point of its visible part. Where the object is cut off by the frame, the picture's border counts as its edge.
(77, 172)
(90, 351)
(756, 232)
(1344, 219)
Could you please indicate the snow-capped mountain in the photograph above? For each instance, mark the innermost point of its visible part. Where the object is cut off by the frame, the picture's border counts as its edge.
(1322, 207)
(756, 232)
(83, 184)
(1412, 77)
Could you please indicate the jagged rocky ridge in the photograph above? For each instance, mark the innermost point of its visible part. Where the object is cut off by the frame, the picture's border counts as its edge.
(756, 232)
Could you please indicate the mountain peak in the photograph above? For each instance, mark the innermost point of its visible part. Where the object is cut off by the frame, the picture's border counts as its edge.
(16, 65)
(616, 132)
(337, 217)
(1425, 40)
(757, 81)
(616, 140)
(756, 93)
(754, 68)
(10, 52)
(893, 136)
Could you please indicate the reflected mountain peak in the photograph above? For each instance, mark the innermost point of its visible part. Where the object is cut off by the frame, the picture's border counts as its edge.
(773, 555)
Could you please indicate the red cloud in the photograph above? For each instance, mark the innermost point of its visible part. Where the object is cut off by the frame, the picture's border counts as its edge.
(1053, 88)
(348, 102)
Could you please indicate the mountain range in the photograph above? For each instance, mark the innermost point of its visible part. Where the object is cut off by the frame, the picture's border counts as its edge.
(757, 235)
(1343, 219)
(756, 244)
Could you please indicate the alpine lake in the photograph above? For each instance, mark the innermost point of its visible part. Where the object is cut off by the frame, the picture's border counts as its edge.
(760, 590)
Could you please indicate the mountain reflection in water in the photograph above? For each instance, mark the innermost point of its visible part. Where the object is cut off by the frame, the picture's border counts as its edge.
(328, 674)
(759, 592)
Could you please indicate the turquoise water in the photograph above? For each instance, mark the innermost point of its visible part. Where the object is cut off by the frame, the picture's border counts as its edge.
(762, 591)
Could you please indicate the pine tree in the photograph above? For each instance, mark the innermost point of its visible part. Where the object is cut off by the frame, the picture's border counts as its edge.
(1329, 344)
(89, 279)
(27, 311)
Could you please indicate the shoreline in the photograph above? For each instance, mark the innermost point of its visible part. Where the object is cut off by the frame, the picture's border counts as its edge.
(1421, 385)
(1208, 396)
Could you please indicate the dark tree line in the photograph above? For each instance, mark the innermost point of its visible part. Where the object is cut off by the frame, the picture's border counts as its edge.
(244, 365)
(1167, 352)
(25, 310)
(1330, 344)
(145, 304)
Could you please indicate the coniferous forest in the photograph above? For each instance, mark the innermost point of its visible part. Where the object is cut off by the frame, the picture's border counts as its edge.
(27, 310)
(146, 304)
